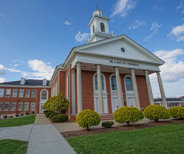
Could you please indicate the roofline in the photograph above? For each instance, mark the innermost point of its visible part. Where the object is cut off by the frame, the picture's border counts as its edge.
(24, 86)
(106, 18)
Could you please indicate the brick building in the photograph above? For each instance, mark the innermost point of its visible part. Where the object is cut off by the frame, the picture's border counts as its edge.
(106, 73)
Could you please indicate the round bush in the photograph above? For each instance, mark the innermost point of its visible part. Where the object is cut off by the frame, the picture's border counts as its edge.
(59, 118)
(177, 112)
(53, 114)
(5, 116)
(88, 118)
(128, 115)
(48, 113)
(156, 112)
(107, 124)
(45, 111)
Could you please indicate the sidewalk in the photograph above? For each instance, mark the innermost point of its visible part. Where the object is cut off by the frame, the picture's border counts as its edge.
(46, 139)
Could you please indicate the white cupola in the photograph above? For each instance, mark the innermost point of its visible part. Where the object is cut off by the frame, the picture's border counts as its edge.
(44, 82)
(99, 27)
(23, 81)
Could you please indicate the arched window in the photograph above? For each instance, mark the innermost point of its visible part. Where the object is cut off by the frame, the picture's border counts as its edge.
(128, 83)
(93, 28)
(44, 94)
(102, 27)
(113, 82)
(96, 82)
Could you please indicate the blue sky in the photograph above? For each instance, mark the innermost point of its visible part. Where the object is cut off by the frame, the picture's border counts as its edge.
(35, 36)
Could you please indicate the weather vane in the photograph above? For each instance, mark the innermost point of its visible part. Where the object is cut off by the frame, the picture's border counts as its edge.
(96, 6)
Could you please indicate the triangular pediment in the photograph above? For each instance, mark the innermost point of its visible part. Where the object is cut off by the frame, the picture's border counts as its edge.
(120, 47)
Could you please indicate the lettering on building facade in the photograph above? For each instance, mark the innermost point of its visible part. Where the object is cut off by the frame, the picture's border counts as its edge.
(123, 63)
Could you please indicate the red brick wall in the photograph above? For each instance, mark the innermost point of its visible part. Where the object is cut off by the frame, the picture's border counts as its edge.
(62, 82)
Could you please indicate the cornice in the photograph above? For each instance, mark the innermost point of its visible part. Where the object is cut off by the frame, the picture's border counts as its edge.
(25, 86)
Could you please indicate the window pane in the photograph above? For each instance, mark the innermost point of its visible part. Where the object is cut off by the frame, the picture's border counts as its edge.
(8, 92)
(6, 106)
(12, 108)
(32, 105)
(27, 93)
(1, 92)
(19, 107)
(113, 82)
(1, 106)
(44, 94)
(26, 106)
(96, 82)
(33, 94)
(21, 92)
(14, 94)
(129, 86)
(102, 27)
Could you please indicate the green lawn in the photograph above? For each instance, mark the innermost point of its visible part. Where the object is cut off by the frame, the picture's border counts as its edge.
(8, 146)
(17, 121)
(167, 139)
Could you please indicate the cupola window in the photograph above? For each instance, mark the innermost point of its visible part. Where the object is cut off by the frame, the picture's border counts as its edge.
(102, 27)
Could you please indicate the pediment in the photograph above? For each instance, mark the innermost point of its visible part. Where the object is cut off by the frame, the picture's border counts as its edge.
(123, 48)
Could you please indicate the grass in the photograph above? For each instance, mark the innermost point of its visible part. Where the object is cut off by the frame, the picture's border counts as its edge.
(166, 139)
(8, 146)
(17, 121)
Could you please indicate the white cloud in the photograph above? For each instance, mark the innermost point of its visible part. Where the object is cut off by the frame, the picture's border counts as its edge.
(123, 7)
(68, 23)
(177, 31)
(80, 37)
(154, 26)
(181, 6)
(41, 70)
(182, 19)
(2, 15)
(2, 80)
(137, 24)
(17, 60)
(2, 70)
(14, 69)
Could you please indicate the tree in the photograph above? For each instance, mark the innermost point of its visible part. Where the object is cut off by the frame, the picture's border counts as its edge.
(57, 103)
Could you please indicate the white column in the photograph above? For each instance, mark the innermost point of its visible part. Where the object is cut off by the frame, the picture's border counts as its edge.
(79, 89)
(73, 93)
(100, 94)
(161, 90)
(118, 83)
(135, 89)
(148, 84)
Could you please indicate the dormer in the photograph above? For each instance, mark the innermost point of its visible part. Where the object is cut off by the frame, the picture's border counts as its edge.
(23, 81)
(44, 82)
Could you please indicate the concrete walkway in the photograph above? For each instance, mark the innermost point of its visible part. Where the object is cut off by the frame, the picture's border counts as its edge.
(17, 132)
(46, 139)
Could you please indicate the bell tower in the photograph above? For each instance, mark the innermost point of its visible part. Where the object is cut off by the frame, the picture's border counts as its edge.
(99, 27)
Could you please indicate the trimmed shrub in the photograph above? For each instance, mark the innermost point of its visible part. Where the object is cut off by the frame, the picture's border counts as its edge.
(156, 112)
(53, 114)
(5, 116)
(177, 112)
(107, 124)
(88, 118)
(17, 115)
(128, 115)
(33, 112)
(27, 113)
(48, 113)
(59, 118)
(21, 114)
(45, 111)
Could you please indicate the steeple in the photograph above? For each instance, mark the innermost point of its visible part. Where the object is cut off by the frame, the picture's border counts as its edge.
(99, 27)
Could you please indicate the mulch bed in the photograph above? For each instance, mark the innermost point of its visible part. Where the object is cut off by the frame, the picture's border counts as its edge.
(119, 128)
(68, 121)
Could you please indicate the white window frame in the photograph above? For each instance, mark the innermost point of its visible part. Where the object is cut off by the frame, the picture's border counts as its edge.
(32, 93)
(19, 103)
(1, 92)
(8, 93)
(115, 91)
(105, 89)
(27, 95)
(68, 85)
(1, 104)
(46, 94)
(22, 93)
(128, 91)
(13, 107)
(14, 92)
(4, 106)
(26, 103)
(31, 106)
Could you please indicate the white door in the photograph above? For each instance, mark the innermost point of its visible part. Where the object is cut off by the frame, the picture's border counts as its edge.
(115, 104)
(131, 102)
(105, 107)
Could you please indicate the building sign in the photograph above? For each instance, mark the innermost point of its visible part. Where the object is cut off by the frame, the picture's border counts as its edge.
(123, 63)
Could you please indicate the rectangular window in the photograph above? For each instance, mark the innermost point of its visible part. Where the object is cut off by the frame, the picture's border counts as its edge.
(14, 93)
(13, 104)
(27, 93)
(6, 106)
(33, 94)
(8, 92)
(21, 92)
(68, 84)
(1, 92)
(19, 107)
(32, 105)
(26, 106)
(1, 106)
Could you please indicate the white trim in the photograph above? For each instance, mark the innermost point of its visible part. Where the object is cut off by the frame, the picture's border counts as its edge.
(43, 100)
(24, 86)
(105, 89)
(112, 91)
(129, 92)
(68, 86)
